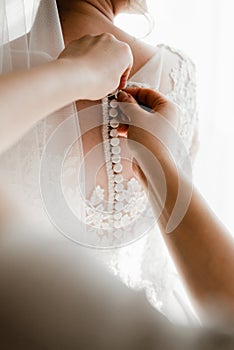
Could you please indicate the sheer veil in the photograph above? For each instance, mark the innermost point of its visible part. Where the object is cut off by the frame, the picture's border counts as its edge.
(28, 28)
(31, 35)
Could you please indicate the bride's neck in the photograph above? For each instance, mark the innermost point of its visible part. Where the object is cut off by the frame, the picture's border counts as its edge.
(79, 18)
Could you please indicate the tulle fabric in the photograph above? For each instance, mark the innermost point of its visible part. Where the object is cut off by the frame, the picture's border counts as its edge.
(30, 36)
(36, 38)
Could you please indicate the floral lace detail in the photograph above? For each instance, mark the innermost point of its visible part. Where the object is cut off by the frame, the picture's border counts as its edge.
(145, 264)
(183, 93)
(126, 202)
(135, 202)
(120, 227)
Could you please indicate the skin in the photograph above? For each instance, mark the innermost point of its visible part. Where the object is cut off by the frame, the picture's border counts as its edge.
(93, 17)
(201, 246)
(207, 278)
(76, 69)
(79, 18)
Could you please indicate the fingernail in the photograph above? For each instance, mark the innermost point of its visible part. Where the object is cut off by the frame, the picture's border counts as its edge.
(122, 95)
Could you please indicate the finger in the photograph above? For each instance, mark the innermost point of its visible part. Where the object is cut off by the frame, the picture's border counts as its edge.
(155, 123)
(129, 106)
(123, 130)
(124, 125)
(129, 63)
(124, 78)
(156, 102)
(148, 97)
(124, 96)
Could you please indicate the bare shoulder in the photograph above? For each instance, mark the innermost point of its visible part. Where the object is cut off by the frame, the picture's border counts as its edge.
(141, 50)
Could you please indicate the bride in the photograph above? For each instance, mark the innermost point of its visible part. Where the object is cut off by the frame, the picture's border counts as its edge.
(103, 192)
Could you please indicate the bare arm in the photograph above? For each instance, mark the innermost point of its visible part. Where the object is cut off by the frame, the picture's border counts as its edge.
(202, 248)
(30, 95)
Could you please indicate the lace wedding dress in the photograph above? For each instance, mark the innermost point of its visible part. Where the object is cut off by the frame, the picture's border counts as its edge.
(143, 264)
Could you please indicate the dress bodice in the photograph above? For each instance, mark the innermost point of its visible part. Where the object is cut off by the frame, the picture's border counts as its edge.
(144, 263)
(172, 73)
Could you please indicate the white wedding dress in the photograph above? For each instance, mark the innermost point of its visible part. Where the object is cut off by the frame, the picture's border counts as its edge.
(143, 264)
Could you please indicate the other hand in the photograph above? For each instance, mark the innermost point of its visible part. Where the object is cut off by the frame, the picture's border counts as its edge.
(144, 123)
(101, 63)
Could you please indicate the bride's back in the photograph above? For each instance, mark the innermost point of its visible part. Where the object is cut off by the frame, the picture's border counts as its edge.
(143, 264)
(81, 18)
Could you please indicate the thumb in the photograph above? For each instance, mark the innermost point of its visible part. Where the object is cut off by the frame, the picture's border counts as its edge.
(129, 106)
(123, 96)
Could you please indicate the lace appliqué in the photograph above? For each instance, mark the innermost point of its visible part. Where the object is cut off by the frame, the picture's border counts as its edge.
(111, 227)
(145, 264)
(135, 202)
(183, 93)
